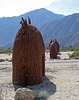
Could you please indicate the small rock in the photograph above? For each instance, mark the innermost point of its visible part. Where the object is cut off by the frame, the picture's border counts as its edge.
(25, 94)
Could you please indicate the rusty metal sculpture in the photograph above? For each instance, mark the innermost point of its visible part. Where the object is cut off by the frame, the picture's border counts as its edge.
(54, 48)
(28, 55)
(50, 43)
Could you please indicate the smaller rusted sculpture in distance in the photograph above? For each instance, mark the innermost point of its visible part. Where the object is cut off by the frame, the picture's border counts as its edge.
(50, 43)
(54, 48)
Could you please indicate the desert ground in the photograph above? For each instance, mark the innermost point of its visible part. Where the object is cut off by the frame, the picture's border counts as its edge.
(61, 80)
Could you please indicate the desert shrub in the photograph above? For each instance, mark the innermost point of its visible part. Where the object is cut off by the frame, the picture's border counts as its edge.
(2, 51)
(2, 60)
(47, 48)
(43, 95)
(5, 51)
(9, 50)
(7, 59)
(71, 48)
(74, 54)
(63, 49)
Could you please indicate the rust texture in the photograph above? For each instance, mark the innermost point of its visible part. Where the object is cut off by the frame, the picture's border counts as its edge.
(54, 48)
(28, 58)
(50, 43)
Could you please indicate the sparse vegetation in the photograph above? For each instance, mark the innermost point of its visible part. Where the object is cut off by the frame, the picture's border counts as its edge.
(71, 48)
(47, 48)
(63, 49)
(75, 53)
(43, 95)
(7, 59)
(2, 60)
(5, 51)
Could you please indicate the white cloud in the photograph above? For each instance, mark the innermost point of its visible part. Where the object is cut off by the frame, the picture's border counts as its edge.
(17, 7)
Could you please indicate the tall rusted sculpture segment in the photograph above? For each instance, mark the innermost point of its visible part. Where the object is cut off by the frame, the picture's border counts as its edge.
(54, 49)
(28, 55)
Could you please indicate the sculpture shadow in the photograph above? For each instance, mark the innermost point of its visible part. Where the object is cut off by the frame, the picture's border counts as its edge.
(46, 85)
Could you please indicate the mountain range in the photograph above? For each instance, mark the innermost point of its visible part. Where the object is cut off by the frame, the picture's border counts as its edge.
(10, 25)
(52, 26)
(65, 30)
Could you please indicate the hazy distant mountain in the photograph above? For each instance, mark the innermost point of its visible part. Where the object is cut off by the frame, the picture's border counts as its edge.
(69, 39)
(10, 25)
(65, 30)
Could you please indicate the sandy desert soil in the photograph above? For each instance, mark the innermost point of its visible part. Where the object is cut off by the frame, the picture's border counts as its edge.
(61, 81)
(6, 56)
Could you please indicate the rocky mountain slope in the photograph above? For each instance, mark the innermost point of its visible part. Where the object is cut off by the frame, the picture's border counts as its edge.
(65, 30)
(10, 25)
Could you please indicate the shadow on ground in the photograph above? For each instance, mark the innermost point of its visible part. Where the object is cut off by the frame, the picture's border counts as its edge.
(46, 85)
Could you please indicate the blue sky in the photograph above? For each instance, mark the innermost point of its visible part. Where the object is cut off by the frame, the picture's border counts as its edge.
(10, 8)
(65, 7)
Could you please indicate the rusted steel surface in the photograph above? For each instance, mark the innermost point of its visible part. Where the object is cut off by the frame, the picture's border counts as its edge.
(54, 48)
(50, 43)
(28, 55)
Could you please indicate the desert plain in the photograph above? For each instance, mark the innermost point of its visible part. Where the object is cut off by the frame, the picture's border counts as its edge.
(61, 80)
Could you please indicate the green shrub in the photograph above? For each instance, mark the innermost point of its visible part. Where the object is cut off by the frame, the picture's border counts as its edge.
(63, 49)
(71, 48)
(74, 54)
(5, 51)
(2, 51)
(43, 95)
